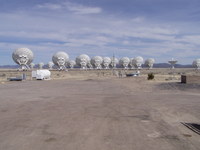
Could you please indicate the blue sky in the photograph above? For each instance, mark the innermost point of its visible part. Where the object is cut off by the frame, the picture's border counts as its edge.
(161, 29)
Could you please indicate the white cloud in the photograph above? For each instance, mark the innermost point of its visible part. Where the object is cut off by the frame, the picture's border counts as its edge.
(49, 6)
(81, 9)
(72, 7)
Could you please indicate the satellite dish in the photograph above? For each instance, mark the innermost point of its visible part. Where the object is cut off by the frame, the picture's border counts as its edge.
(196, 63)
(41, 65)
(97, 61)
(106, 62)
(114, 62)
(82, 61)
(60, 59)
(137, 62)
(32, 65)
(124, 62)
(149, 63)
(131, 64)
(71, 64)
(50, 65)
(172, 62)
(23, 57)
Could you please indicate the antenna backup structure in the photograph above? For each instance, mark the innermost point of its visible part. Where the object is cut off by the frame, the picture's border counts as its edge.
(23, 57)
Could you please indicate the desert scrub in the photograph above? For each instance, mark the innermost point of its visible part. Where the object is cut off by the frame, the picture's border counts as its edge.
(150, 76)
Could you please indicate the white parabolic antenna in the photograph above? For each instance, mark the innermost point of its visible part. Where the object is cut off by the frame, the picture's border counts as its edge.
(71, 64)
(97, 61)
(82, 61)
(41, 64)
(106, 62)
(149, 62)
(114, 62)
(50, 65)
(124, 62)
(172, 62)
(60, 59)
(137, 62)
(196, 63)
(23, 57)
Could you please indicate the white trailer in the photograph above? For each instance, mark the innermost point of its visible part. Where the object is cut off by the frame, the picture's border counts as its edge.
(41, 74)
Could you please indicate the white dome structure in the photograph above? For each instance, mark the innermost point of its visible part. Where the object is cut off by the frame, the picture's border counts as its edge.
(82, 61)
(32, 65)
(50, 65)
(60, 59)
(41, 65)
(23, 57)
(196, 63)
(106, 62)
(137, 62)
(71, 64)
(97, 61)
(124, 62)
(114, 62)
(149, 63)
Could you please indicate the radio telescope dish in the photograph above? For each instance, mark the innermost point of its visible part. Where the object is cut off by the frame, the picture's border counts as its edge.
(41, 65)
(131, 63)
(196, 63)
(114, 62)
(106, 62)
(71, 64)
(96, 61)
(23, 57)
(137, 62)
(124, 62)
(172, 62)
(32, 65)
(149, 63)
(89, 65)
(50, 65)
(82, 61)
(60, 59)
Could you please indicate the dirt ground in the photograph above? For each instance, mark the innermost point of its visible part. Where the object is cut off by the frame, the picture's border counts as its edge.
(98, 114)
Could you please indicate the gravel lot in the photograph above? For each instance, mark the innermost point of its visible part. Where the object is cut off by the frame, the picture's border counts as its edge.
(98, 114)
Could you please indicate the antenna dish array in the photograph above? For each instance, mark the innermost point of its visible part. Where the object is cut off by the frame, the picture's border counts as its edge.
(137, 62)
(106, 62)
(82, 61)
(149, 63)
(97, 61)
(23, 57)
(114, 62)
(41, 65)
(50, 65)
(172, 62)
(71, 64)
(60, 59)
(196, 63)
(124, 62)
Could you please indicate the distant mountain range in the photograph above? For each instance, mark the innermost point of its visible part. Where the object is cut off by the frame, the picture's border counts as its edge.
(157, 65)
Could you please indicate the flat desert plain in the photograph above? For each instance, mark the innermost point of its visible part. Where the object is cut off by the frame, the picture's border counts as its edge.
(98, 114)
